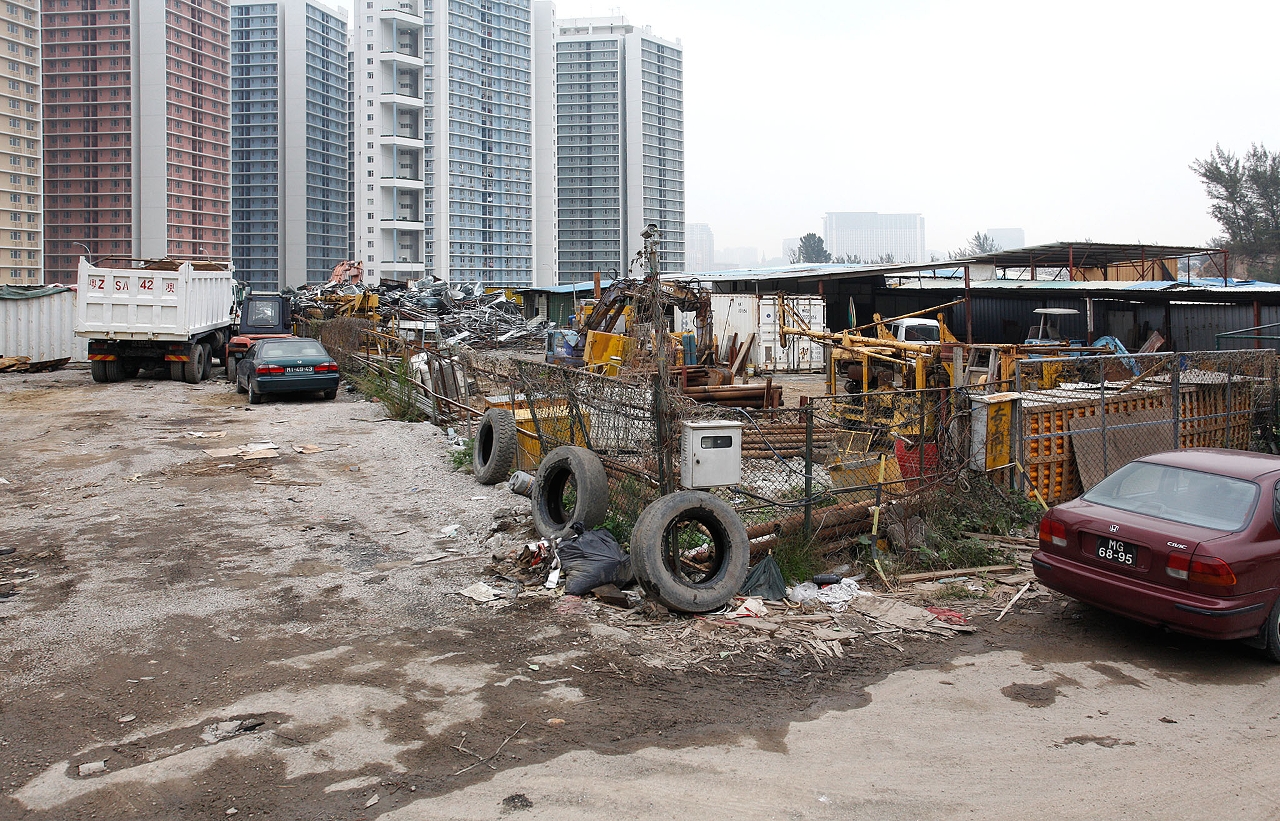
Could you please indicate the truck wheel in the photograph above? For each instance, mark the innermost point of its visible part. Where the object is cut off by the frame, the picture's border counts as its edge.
(690, 551)
(493, 453)
(255, 397)
(208, 362)
(129, 370)
(231, 362)
(175, 371)
(571, 486)
(105, 370)
(193, 368)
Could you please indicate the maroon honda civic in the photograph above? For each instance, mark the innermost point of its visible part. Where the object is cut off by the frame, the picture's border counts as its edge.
(1186, 540)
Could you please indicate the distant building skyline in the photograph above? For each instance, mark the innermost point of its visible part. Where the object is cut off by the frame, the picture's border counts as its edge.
(870, 235)
(137, 132)
(1008, 238)
(614, 93)
(20, 246)
(289, 116)
(699, 247)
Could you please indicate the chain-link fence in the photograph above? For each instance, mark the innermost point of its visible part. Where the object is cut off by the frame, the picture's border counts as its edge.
(1084, 417)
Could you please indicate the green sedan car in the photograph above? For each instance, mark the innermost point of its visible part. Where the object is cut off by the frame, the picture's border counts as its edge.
(292, 365)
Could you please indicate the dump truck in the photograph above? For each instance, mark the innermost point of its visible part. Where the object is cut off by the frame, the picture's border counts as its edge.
(148, 314)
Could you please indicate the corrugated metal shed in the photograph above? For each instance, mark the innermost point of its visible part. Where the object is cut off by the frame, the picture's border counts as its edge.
(40, 324)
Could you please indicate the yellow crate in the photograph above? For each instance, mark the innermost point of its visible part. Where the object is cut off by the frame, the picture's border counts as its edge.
(554, 419)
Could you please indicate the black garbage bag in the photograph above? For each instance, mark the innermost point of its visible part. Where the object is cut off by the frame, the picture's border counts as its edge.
(591, 559)
(765, 580)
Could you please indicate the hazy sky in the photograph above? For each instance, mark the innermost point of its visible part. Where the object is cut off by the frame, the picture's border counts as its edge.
(1071, 120)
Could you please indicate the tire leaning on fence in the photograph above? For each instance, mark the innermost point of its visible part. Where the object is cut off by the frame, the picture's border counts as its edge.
(690, 551)
(493, 453)
(571, 486)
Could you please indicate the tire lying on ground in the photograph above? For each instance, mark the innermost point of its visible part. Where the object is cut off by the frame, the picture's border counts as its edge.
(493, 453)
(571, 486)
(690, 551)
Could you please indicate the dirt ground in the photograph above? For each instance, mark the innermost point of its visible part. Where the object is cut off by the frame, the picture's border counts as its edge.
(200, 636)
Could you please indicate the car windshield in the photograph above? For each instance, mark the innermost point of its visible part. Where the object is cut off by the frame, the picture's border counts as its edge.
(291, 347)
(921, 333)
(1188, 497)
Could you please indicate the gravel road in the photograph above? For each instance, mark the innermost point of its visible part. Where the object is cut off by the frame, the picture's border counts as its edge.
(197, 634)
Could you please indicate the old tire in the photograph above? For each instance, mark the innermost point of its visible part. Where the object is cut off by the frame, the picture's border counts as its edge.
(571, 486)
(1271, 632)
(193, 368)
(493, 453)
(105, 370)
(690, 551)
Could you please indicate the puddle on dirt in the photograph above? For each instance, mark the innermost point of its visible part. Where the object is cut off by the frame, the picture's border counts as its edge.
(1038, 695)
(1101, 740)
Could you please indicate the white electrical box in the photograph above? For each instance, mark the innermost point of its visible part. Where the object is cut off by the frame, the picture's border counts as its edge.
(710, 454)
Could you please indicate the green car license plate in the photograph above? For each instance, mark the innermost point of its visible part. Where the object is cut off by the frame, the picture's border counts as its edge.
(300, 369)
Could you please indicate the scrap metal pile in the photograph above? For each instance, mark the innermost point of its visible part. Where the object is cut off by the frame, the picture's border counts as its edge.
(423, 311)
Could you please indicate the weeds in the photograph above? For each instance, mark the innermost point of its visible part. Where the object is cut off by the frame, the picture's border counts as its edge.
(395, 389)
(461, 459)
(796, 557)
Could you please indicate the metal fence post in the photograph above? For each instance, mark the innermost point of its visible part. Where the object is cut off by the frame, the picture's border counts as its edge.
(1019, 482)
(662, 434)
(1176, 401)
(1231, 373)
(1102, 412)
(808, 472)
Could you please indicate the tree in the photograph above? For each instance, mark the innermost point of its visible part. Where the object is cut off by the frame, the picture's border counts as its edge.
(1245, 196)
(812, 249)
(980, 243)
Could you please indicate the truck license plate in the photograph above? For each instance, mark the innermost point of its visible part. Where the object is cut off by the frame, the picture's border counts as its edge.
(1114, 550)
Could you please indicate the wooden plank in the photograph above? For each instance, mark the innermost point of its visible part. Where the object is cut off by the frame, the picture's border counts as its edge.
(740, 361)
(931, 575)
(1122, 445)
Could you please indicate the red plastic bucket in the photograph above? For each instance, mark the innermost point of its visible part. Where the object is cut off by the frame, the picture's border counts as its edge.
(916, 463)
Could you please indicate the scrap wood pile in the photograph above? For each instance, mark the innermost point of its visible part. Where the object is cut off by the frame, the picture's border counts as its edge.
(23, 364)
(821, 624)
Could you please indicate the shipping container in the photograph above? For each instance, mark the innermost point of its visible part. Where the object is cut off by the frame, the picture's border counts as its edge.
(744, 314)
(39, 323)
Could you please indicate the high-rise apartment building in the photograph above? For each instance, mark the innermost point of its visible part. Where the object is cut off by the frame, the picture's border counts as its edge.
(614, 93)
(20, 194)
(137, 121)
(289, 135)
(870, 236)
(699, 248)
(443, 140)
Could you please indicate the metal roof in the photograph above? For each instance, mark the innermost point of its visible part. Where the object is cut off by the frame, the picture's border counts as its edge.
(571, 288)
(1084, 255)
(802, 270)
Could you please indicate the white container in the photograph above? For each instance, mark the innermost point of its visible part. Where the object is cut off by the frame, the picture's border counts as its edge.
(744, 314)
(167, 301)
(710, 454)
(41, 328)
